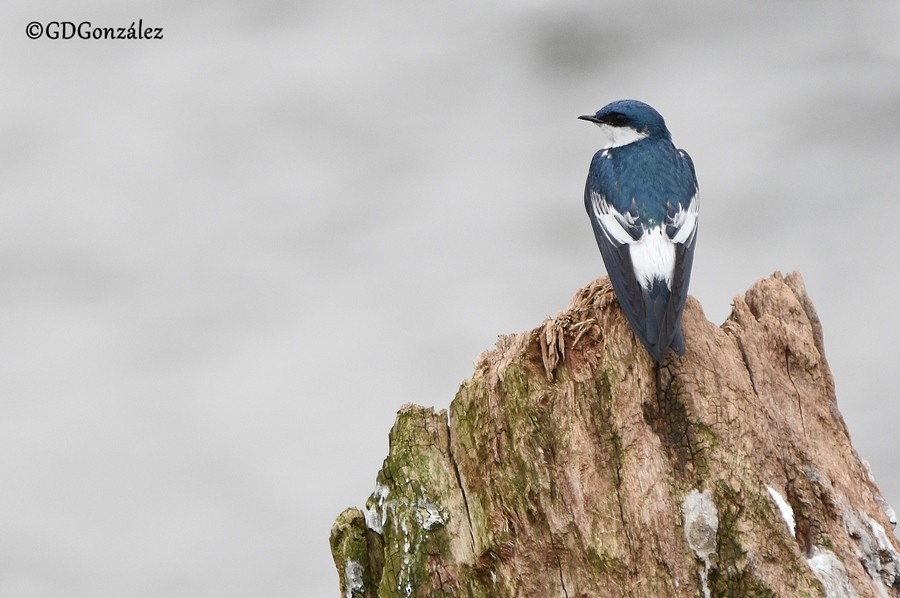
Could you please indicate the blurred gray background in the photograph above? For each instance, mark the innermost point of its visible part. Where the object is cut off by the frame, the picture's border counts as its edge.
(227, 257)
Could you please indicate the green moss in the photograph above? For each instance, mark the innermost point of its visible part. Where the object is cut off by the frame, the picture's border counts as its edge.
(465, 413)
(663, 574)
(561, 374)
(604, 563)
(353, 556)
(603, 419)
(479, 583)
(731, 576)
(607, 379)
(408, 499)
(687, 442)
(514, 382)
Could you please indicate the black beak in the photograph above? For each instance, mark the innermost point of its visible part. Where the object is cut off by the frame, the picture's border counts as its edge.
(590, 118)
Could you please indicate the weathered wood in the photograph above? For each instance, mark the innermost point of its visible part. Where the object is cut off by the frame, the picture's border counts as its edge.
(570, 466)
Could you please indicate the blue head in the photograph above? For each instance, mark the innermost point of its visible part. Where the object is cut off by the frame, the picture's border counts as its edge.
(627, 121)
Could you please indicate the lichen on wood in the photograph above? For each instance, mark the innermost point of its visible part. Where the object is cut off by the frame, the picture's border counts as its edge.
(570, 466)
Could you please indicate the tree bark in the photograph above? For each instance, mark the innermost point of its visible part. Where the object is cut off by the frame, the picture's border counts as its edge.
(571, 466)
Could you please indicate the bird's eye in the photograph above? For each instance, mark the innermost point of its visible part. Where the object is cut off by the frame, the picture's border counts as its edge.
(617, 119)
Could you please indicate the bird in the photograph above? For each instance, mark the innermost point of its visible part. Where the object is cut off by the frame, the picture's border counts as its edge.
(642, 198)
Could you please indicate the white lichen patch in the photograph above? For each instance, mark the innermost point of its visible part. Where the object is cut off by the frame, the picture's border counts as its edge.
(885, 506)
(405, 517)
(404, 575)
(407, 541)
(430, 515)
(353, 579)
(874, 550)
(831, 572)
(412, 524)
(787, 513)
(701, 524)
(888, 510)
(376, 508)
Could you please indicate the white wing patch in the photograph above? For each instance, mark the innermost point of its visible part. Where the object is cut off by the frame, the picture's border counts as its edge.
(653, 254)
(685, 221)
(611, 221)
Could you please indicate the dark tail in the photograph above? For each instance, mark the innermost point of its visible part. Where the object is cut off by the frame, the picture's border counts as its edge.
(662, 325)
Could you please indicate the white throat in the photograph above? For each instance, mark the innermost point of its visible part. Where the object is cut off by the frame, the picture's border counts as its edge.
(619, 136)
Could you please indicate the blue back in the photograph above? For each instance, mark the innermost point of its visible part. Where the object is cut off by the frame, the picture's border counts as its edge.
(648, 179)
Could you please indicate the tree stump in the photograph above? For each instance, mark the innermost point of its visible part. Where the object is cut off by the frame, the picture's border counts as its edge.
(570, 466)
